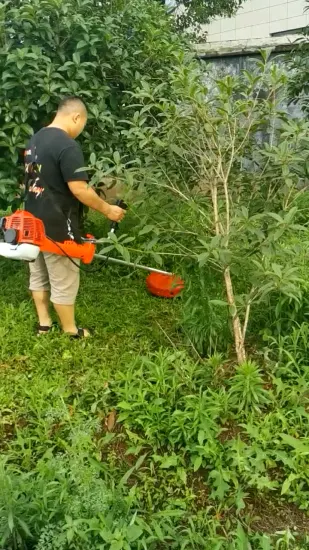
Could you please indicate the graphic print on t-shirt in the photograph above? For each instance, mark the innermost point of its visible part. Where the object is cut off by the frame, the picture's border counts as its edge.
(34, 169)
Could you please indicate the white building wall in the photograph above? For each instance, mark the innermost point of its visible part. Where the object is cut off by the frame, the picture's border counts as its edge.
(260, 19)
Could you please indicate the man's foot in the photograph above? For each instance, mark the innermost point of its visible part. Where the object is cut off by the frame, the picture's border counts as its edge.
(44, 329)
(81, 333)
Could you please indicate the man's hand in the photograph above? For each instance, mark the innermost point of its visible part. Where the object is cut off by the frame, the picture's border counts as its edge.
(115, 213)
(87, 196)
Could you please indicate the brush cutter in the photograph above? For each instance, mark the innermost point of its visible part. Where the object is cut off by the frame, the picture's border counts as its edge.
(24, 238)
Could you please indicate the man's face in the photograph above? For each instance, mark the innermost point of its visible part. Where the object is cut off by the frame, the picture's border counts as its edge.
(78, 123)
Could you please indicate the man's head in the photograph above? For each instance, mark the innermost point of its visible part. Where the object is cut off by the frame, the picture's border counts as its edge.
(72, 116)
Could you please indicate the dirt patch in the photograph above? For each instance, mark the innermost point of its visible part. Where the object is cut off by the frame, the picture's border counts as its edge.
(230, 430)
(8, 430)
(118, 446)
(201, 491)
(271, 515)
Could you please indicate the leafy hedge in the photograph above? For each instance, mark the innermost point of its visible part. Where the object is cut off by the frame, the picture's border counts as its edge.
(49, 49)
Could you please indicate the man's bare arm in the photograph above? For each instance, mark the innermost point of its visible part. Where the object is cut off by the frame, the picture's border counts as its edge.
(87, 196)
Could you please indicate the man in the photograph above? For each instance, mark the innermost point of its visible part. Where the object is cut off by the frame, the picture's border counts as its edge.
(56, 192)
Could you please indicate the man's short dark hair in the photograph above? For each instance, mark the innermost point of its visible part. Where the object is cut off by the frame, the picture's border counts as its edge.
(70, 103)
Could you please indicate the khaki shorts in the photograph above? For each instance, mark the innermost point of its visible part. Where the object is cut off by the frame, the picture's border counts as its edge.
(56, 274)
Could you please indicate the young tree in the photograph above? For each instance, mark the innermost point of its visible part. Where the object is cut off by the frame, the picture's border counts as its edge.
(192, 13)
(221, 168)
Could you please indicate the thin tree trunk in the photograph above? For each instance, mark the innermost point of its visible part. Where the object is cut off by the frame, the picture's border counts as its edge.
(237, 328)
(214, 197)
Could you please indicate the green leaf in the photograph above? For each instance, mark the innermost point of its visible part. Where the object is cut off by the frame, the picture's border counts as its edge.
(140, 461)
(221, 486)
(158, 531)
(287, 483)
(169, 462)
(218, 303)
(126, 255)
(128, 474)
(157, 258)
(146, 229)
(201, 437)
(20, 64)
(124, 405)
(11, 522)
(182, 474)
(242, 539)
(44, 99)
(277, 270)
(266, 543)
(197, 463)
(297, 444)
(203, 258)
(24, 527)
(134, 532)
(81, 44)
(116, 157)
(70, 534)
(8, 85)
(176, 149)
(276, 217)
(105, 535)
(159, 142)
(76, 58)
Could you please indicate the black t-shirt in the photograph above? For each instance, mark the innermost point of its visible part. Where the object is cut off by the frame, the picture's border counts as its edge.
(57, 159)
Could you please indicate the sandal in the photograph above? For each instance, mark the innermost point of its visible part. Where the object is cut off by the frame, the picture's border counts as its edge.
(81, 333)
(45, 329)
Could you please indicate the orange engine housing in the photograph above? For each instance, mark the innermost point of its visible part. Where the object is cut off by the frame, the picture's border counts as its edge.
(84, 252)
(29, 229)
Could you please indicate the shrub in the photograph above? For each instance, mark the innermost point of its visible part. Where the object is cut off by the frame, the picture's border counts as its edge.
(224, 165)
(50, 49)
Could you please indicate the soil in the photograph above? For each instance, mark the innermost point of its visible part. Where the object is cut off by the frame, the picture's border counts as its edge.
(270, 516)
(117, 445)
(200, 490)
(230, 430)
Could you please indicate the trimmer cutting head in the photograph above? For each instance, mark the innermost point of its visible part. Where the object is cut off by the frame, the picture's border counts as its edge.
(164, 286)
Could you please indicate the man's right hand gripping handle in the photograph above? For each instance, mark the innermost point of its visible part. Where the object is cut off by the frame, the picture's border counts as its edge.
(117, 214)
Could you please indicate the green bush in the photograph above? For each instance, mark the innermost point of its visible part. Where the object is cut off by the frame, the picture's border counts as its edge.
(225, 165)
(49, 49)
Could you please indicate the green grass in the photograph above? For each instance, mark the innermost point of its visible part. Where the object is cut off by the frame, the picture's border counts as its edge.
(126, 441)
(113, 303)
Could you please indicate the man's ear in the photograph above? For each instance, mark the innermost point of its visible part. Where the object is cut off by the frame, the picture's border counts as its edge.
(76, 117)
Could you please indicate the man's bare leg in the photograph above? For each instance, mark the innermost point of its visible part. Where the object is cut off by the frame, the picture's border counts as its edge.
(42, 305)
(66, 314)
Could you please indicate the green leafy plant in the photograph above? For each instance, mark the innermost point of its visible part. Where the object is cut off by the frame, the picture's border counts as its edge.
(193, 13)
(247, 392)
(237, 191)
